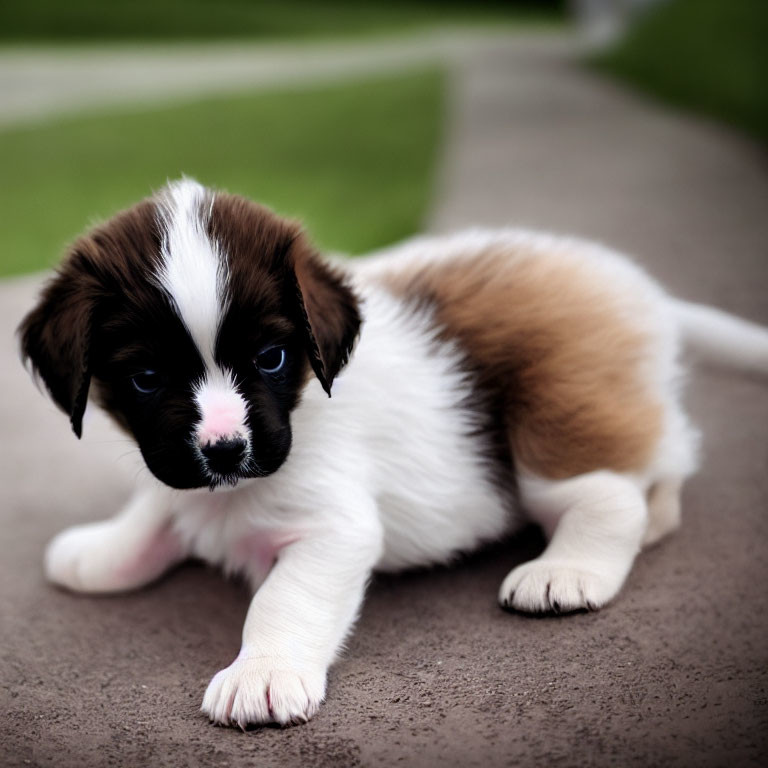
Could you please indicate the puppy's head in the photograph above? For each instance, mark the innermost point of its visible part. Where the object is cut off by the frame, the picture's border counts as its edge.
(196, 320)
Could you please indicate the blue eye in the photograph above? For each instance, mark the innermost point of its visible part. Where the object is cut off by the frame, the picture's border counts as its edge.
(146, 382)
(271, 360)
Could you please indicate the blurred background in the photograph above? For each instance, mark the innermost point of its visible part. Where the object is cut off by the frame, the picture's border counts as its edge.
(340, 113)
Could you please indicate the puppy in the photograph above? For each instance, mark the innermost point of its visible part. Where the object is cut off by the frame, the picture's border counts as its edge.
(473, 377)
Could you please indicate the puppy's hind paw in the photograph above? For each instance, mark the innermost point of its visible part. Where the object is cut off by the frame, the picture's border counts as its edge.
(257, 690)
(553, 586)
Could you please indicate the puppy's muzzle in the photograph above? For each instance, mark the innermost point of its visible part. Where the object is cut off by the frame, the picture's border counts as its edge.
(225, 456)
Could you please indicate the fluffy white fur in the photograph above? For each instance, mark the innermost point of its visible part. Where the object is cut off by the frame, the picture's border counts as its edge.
(396, 482)
(193, 273)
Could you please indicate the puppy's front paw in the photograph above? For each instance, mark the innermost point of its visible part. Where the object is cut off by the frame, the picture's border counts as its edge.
(542, 586)
(75, 559)
(263, 689)
(111, 556)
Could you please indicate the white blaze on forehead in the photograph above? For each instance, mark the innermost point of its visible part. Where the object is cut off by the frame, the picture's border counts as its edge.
(193, 274)
(192, 269)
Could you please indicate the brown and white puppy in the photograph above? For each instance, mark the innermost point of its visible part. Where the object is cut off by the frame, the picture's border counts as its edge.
(495, 373)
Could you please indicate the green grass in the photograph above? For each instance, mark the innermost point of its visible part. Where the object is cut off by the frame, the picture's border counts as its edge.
(100, 20)
(707, 55)
(353, 161)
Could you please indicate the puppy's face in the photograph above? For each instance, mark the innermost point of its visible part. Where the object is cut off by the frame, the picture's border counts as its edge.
(196, 319)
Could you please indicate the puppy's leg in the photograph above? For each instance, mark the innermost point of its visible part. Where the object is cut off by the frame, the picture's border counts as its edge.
(126, 552)
(295, 626)
(663, 509)
(596, 524)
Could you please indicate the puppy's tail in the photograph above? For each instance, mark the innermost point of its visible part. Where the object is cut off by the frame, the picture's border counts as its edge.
(717, 337)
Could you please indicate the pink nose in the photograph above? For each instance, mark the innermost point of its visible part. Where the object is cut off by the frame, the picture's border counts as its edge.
(223, 413)
(221, 420)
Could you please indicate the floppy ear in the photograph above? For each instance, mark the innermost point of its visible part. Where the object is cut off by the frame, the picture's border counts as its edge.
(329, 310)
(56, 335)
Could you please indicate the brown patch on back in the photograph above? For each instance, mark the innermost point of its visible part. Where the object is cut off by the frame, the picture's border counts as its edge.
(555, 352)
